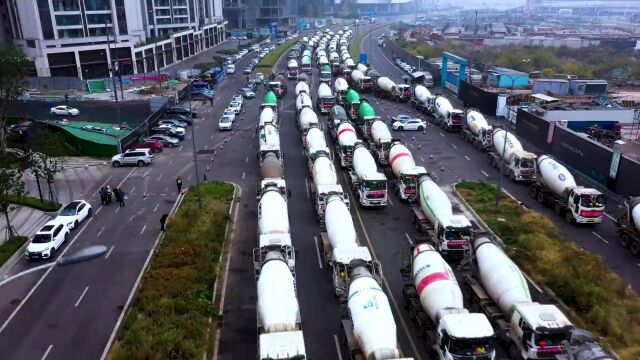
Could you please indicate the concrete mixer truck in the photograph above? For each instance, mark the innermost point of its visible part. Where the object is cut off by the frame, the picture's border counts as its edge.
(340, 89)
(435, 302)
(273, 225)
(404, 172)
(496, 287)
(325, 185)
(451, 234)
(375, 132)
(478, 132)
(352, 104)
(326, 100)
(325, 74)
(305, 64)
(337, 115)
(269, 155)
(446, 116)
(307, 119)
(302, 86)
(388, 89)
(362, 82)
(556, 188)
(344, 143)
(368, 323)
(292, 69)
(520, 165)
(340, 248)
(267, 116)
(422, 99)
(280, 333)
(303, 100)
(629, 225)
(369, 185)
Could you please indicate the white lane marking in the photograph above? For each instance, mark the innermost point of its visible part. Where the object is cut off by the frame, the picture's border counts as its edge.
(46, 353)
(98, 211)
(390, 201)
(81, 296)
(180, 148)
(421, 159)
(306, 186)
(100, 231)
(132, 189)
(335, 339)
(109, 252)
(610, 217)
(143, 229)
(211, 137)
(402, 134)
(116, 210)
(466, 157)
(170, 161)
(243, 174)
(315, 241)
(600, 237)
(156, 207)
(253, 136)
(189, 136)
(189, 177)
(484, 173)
(246, 160)
(441, 134)
(159, 177)
(454, 146)
(408, 238)
(638, 265)
(411, 145)
(131, 217)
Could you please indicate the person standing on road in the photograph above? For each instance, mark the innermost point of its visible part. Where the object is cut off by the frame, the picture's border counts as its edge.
(163, 221)
(179, 184)
(103, 195)
(120, 197)
(109, 194)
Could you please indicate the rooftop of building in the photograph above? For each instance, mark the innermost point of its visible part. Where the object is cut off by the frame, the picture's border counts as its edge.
(506, 71)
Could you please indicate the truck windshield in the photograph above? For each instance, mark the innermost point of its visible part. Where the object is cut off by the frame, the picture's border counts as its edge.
(592, 200)
(468, 349)
(526, 163)
(457, 234)
(409, 180)
(374, 185)
(328, 101)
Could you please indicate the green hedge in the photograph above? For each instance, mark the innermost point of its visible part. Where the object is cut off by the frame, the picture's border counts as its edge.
(35, 203)
(267, 63)
(354, 47)
(169, 318)
(600, 301)
(9, 247)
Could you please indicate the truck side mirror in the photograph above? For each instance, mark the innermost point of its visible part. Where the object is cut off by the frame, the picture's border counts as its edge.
(258, 194)
(288, 193)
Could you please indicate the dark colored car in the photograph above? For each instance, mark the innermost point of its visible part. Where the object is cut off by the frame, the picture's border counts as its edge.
(179, 110)
(182, 118)
(251, 85)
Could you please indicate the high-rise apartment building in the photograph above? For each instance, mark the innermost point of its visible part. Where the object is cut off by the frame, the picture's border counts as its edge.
(82, 37)
(260, 14)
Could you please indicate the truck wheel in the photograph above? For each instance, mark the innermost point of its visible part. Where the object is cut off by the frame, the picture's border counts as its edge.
(625, 240)
(568, 217)
(557, 208)
(513, 352)
(512, 176)
(533, 192)
(540, 197)
(635, 248)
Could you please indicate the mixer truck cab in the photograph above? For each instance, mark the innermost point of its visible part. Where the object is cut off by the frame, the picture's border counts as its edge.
(276, 87)
(446, 116)
(369, 185)
(325, 74)
(345, 143)
(353, 104)
(453, 237)
(478, 131)
(282, 345)
(326, 100)
(337, 115)
(279, 243)
(273, 184)
(292, 69)
(538, 331)
(402, 92)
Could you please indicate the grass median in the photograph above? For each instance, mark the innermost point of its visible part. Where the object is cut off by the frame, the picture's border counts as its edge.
(355, 47)
(169, 318)
(267, 63)
(35, 203)
(599, 300)
(9, 247)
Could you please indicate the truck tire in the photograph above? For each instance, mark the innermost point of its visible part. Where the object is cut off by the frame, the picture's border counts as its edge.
(625, 241)
(568, 217)
(533, 192)
(635, 248)
(557, 208)
(540, 197)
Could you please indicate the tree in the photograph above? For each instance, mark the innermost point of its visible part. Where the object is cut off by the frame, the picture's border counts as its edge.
(47, 167)
(11, 187)
(310, 11)
(14, 68)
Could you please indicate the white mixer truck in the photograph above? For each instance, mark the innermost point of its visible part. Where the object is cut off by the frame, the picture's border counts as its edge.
(369, 326)
(301, 86)
(340, 88)
(629, 225)
(379, 138)
(361, 81)
(345, 142)
(280, 333)
(520, 165)
(388, 89)
(446, 116)
(404, 172)
(556, 188)
(306, 120)
(496, 287)
(268, 116)
(451, 234)
(341, 250)
(326, 100)
(325, 185)
(478, 131)
(369, 185)
(269, 145)
(303, 100)
(422, 99)
(273, 225)
(434, 301)
(292, 69)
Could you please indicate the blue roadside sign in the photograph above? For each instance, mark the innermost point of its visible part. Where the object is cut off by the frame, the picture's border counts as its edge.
(364, 58)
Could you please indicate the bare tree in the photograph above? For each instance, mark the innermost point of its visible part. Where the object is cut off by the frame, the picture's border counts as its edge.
(47, 167)
(11, 187)
(14, 68)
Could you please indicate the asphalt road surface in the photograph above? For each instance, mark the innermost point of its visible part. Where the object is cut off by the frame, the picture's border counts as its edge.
(463, 161)
(71, 312)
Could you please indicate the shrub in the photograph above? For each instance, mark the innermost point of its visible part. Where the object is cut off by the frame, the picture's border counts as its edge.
(267, 63)
(35, 203)
(9, 247)
(599, 299)
(169, 319)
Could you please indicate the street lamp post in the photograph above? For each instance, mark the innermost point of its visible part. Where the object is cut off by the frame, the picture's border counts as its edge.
(195, 158)
(86, 254)
(113, 74)
(420, 57)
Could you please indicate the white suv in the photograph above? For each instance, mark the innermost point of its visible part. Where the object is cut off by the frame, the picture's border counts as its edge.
(47, 240)
(139, 157)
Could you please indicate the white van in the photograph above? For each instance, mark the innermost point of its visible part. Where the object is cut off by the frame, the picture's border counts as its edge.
(231, 69)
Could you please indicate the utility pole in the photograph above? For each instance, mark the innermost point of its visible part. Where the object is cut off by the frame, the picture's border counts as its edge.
(195, 158)
(113, 75)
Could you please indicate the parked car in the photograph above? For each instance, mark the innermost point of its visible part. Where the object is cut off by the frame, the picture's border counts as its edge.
(413, 124)
(154, 145)
(251, 84)
(47, 241)
(229, 112)
(401, 118)
(180, 110)
(235, 106)
(247, 69)
(170, 130)
(231, 69)
(182, 118)
(139, 157)
(166, 141)
(259, 78)
(175, 123)
(65, 110)
(248, 93)
(238, 98)
(226, 122)
(74, 213)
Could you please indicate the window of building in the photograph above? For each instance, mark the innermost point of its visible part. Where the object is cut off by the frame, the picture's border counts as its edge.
(66, 5)
(121, 13)
(163, 12)
(163, 21)
(31, 44)
(68, 20)
(70, 33)
(62, 64)
(180, 12)
(162, 3)
(45, 19)
(99, 19)
(94, 5)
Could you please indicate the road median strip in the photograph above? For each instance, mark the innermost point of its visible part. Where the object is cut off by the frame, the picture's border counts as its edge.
(170, 316)
(267, 64)
(597, 298)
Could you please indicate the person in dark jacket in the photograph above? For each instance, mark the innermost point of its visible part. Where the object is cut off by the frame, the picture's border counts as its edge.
(163, 221)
